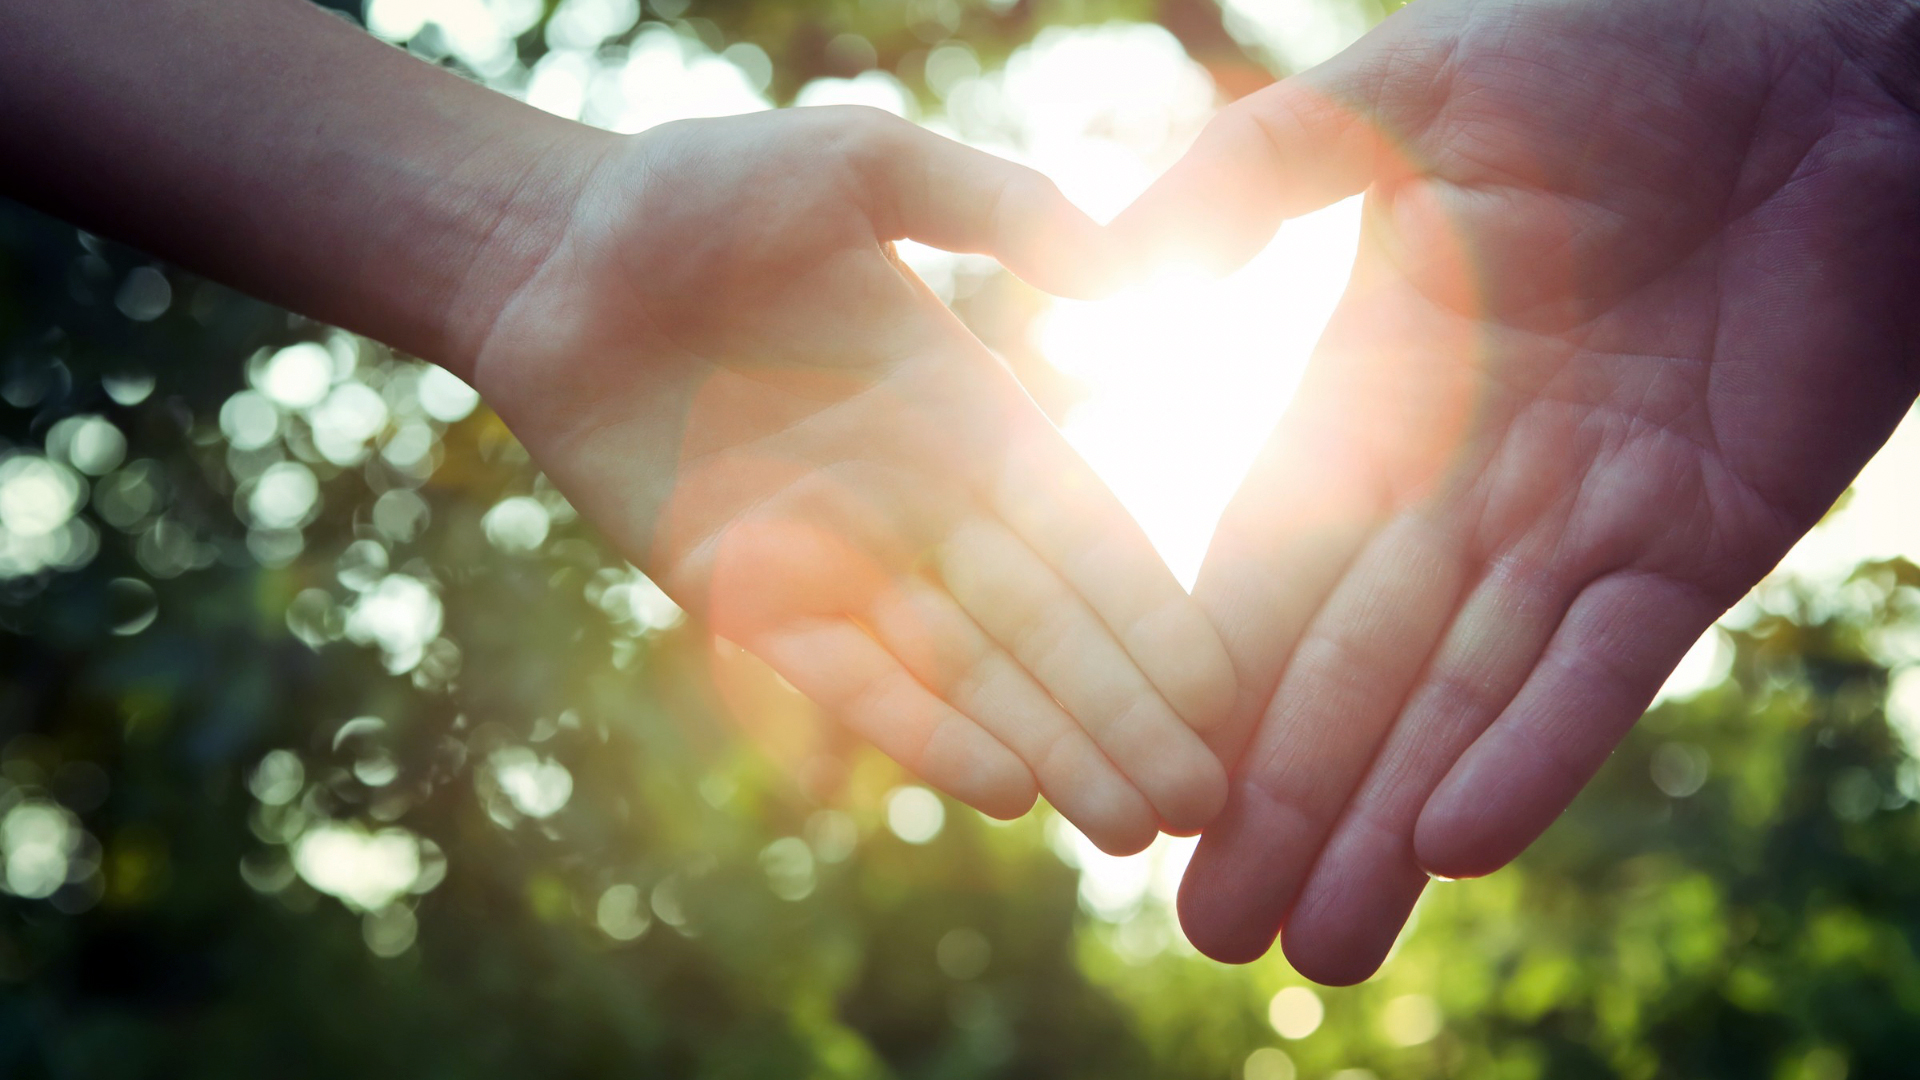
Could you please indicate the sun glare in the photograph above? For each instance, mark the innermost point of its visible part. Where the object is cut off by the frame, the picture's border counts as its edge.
(1186, 375)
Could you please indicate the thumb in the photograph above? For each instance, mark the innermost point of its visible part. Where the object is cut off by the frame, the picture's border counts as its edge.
(1290, 148)
(925, 187)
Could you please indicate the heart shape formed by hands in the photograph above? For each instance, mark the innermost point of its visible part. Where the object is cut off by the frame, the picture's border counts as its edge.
(1186, 374)
(1637, 293)
(1611, 343)
(1635, 299)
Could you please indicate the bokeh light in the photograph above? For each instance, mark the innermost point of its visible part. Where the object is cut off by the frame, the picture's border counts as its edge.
(915, 814)
(963, 953)
(38, 840)
(37, 496)
(352, 533)
(368, 870)
(1296, 1012)
(88, 442)
(1410, 1020)
(788, 863)
(400, 614)
(517, 525)
(620, 913)
(296, 377)
(535, 786)
(1268, 1063)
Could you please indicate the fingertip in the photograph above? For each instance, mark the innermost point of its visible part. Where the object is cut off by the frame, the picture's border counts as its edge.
(1213, 916)
(1243, 877)
(1112, 813)
(1275, 154)
(1008, 792)
(1121, 840)
(1089, 791)
(1469, 827)
(971, 765)
(1148, 234)
(1224, 949)
(1053, 245)
(1009, 805)
(1355, 906)
(1618, 640)
(1330, 967)
(1197, 793)
(1211, 210)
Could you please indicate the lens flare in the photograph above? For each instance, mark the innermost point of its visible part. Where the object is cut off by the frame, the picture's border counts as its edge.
(1186, 375)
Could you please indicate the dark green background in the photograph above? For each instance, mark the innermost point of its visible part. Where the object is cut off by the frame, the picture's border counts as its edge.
(1763, 926)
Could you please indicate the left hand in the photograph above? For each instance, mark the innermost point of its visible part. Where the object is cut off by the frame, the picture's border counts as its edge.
(725, 366)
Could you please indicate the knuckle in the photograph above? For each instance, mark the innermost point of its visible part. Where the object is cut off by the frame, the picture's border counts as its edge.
(864, 127)
(1159, 627)
(1461, 697)
(1043, 637)
(1056, 753)
(965, 678)
(1328, 661)
(1239, 119)
(1285, 799)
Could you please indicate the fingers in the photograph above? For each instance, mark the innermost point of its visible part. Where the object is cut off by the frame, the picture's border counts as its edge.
(1302, 513)
(1054, 501)
(1619, 641)
(1293, 147)
(1350, 913)
(1365, 881)
(947, 652)
(1020, 602)
(928, 188)
(836, 664)
(1343, 688)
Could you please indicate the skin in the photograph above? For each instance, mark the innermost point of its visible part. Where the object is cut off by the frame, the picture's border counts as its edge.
(800, 441)
(702, 334)
(1638, 294)
(1634, 303)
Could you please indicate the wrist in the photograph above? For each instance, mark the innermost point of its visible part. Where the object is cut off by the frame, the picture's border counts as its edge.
(498, 216)
(272, 146)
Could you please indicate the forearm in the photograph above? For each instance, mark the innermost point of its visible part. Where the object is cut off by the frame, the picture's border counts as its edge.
(275, 147)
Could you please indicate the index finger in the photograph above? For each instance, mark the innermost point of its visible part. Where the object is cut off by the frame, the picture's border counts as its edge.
(1278, 153)
(925, 187)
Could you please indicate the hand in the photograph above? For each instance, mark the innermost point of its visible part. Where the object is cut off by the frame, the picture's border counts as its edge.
(725, 367)
(1638, 293)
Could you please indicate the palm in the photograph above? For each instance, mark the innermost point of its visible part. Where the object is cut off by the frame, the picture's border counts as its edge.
(1634, 302)
(1603, 294)
(769, 358)
(723, 365)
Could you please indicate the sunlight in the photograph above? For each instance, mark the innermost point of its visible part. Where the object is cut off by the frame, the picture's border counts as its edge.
(1186, 375)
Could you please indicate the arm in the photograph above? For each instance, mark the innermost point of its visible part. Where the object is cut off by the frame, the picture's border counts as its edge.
(702, 336)
(274, 146)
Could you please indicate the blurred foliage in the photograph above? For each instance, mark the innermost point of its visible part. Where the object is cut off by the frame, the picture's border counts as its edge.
(332, 742)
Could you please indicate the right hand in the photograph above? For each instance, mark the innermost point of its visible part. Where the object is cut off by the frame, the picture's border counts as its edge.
(1638, 293)
(724, 366)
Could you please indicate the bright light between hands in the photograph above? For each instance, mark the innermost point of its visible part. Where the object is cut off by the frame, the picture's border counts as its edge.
(1187, 375)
